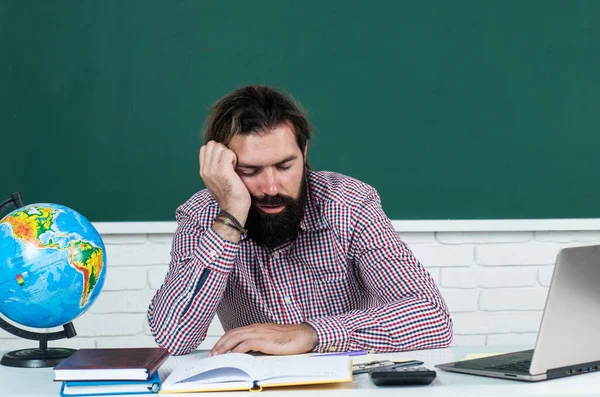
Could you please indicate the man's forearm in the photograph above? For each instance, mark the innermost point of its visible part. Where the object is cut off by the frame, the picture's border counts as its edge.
(182, 309)
(168, 317)
(410, 324)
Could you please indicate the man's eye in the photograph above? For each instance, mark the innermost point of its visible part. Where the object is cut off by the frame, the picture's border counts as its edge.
(248, 173)
(284, 167)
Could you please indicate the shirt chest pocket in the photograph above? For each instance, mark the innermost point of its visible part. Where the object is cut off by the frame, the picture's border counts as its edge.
(329, 286)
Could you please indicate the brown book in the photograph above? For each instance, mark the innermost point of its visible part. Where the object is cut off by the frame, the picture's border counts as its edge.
(111, 364)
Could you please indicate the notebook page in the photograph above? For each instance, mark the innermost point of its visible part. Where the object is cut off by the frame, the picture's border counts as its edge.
(202, 387)
(178, 361)
(293, 369)
(230, 367)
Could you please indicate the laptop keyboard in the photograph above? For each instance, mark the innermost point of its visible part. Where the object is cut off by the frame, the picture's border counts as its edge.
(518, 366)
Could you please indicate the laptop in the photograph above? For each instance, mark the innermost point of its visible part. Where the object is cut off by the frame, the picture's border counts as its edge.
(568, 340)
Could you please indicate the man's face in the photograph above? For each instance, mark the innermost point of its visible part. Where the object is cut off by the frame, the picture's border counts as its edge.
(271, 165)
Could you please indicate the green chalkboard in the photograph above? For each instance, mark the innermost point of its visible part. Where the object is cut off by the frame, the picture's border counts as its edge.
(450, 109)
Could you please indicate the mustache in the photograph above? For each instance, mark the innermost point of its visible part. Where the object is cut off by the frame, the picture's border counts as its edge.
(273, 201)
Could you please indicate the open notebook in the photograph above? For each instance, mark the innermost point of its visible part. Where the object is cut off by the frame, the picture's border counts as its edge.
(237, 371)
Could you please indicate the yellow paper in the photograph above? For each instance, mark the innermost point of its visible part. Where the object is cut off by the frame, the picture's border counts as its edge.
(473, 356)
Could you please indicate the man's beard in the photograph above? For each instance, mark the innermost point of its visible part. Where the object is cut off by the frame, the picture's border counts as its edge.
(273, 230)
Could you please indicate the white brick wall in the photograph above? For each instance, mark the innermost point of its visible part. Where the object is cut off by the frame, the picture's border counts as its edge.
(495, 284)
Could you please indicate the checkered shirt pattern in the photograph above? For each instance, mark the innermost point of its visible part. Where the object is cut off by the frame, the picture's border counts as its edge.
(348, 275)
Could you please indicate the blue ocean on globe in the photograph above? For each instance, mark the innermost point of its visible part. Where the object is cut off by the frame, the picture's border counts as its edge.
(52, 265)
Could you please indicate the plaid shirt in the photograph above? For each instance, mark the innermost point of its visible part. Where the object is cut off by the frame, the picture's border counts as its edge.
(348, 275)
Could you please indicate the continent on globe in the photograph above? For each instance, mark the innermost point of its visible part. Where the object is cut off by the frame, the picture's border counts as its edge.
(29, 226)
(89, 261)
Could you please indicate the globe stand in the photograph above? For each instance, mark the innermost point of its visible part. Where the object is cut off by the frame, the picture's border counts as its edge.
(42, 356)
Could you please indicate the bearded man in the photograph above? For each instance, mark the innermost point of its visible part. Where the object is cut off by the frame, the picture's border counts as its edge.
(291, 260)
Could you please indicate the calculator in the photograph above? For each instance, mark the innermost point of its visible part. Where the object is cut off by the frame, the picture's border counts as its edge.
(402, 376)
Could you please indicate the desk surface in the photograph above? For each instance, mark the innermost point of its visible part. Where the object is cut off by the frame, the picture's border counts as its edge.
(18, 382)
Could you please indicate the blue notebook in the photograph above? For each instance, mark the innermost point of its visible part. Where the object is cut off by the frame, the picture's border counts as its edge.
(110, 387)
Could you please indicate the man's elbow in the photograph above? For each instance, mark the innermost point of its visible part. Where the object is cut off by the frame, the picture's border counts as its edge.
(171, 340)
(436, 332)
(175, 349)
(175, 345)
(444, 332)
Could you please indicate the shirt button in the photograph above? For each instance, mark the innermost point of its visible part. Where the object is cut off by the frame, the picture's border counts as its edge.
(287, 300)
(372, 351)
(213, 253)
(189, 295)
(331, 348)
(276, 255)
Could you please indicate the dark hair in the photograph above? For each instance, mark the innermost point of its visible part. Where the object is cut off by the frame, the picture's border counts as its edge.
(254, 109)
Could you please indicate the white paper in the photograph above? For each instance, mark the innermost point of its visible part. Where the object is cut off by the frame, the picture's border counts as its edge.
(299, 369)
(230, 367)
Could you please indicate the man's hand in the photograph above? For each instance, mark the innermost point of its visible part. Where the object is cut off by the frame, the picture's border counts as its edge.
(267, 338)
(217, 170)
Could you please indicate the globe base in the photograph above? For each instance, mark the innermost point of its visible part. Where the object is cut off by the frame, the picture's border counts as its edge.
(36, 358)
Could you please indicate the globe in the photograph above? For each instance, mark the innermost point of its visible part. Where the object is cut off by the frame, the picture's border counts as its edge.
(52, 265)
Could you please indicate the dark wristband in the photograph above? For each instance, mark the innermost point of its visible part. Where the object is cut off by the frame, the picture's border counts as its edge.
(231, 218)
(226, 221)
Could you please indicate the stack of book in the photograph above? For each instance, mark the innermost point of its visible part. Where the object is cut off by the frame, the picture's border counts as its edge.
(98, 372)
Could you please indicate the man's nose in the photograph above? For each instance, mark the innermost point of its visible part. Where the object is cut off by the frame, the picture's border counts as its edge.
(269, 183)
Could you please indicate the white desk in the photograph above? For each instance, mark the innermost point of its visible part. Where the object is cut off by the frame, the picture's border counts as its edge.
(17, 382)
